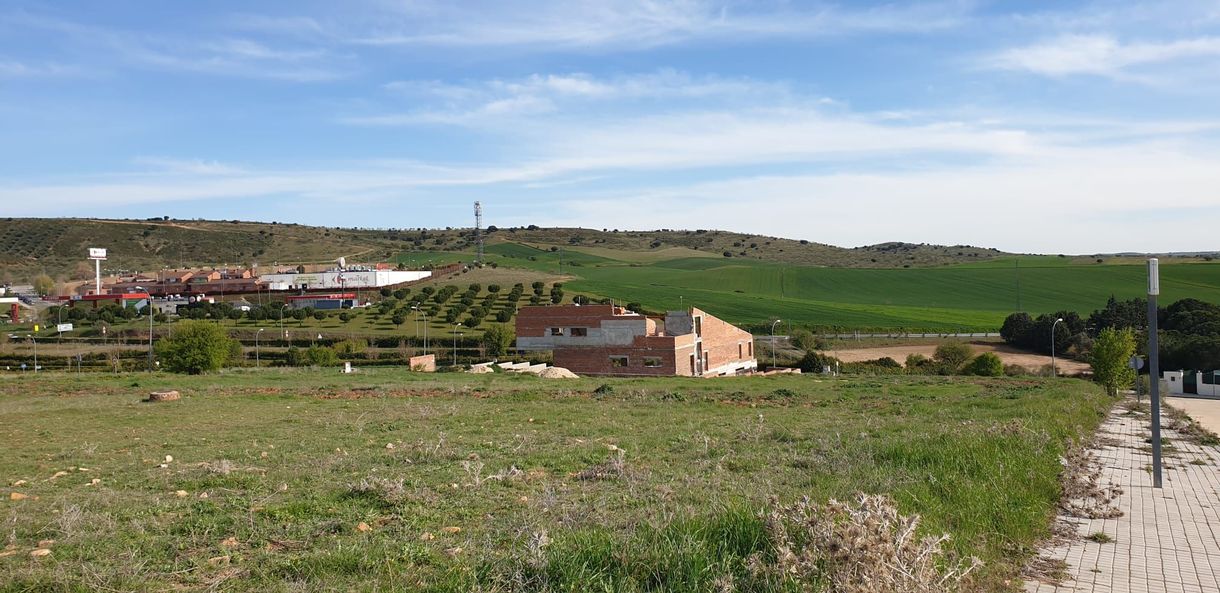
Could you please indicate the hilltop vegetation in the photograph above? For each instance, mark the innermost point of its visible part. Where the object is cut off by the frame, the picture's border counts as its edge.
(745, 279)
(57, 246)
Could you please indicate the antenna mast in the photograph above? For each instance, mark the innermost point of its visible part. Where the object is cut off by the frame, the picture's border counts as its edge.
(478, 231)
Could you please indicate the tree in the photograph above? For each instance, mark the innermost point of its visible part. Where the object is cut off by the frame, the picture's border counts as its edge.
(802, 338)
(44, 285)
(321, 356)
(1111, 352)
(1016, 329)
(399, 318)
(986, 364)
(319, 314)
(195, 347)
(497, 339)
(345, 316)
(953, 354)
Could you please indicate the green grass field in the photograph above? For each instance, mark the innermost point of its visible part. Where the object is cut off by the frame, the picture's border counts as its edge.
(292, 480)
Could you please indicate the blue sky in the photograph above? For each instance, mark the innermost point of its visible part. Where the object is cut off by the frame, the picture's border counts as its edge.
(1074, 127)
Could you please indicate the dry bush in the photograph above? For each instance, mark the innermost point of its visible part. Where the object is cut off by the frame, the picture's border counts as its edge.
(1192, 431)
(865, 547)
(612, 468)
(223, 467)
(1083, 495)
(388, 491)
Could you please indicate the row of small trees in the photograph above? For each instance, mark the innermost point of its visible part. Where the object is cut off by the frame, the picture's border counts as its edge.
(197, 346)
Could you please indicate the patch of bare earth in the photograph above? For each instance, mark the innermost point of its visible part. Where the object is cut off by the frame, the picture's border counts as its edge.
(1008, 354)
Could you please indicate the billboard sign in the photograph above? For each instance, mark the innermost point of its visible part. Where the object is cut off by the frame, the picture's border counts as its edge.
(97, 253)
(63, 327)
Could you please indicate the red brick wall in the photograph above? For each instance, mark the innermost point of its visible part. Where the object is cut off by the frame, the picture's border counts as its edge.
(721, 341)
(536, 321)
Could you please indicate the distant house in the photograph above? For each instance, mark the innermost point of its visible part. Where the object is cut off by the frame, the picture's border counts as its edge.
(1193, 382)
(610, 340)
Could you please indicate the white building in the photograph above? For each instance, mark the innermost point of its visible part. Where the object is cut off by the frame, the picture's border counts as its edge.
(1182, 383)
(341, 280)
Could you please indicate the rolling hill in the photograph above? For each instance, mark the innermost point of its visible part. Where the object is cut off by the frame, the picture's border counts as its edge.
(747, 279)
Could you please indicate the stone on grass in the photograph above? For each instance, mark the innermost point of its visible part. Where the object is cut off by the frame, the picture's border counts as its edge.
(164, 396)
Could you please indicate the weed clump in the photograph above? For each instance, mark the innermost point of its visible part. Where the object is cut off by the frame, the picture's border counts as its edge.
(858, 547)
(604, 389)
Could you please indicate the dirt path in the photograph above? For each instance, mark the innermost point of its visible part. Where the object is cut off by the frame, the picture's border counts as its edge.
(1009, 355)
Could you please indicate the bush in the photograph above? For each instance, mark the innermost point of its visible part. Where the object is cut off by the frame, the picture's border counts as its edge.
(803, 339)
(986, 364)
(814, 362)
(953, 354)
(351, 347)
(498, 339)
(196, 347)
(321, 356)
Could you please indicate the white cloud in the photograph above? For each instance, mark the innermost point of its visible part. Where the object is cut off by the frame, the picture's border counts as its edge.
(16, 69)
(1084, 202)
(1101, 55)
(639, 24)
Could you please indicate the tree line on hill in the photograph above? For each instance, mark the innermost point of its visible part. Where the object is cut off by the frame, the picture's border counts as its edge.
(1189, 331)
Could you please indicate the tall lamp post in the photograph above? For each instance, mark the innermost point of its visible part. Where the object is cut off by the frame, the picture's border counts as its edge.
(421, 311)
(150, 334)
(282, 332)
(34, 339)
(1154, 368)
(257, 360)
(455, 337)
(1054, 372)
(773, 324)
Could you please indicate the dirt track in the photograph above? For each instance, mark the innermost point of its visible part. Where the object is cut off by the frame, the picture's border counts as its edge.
(1009, 355)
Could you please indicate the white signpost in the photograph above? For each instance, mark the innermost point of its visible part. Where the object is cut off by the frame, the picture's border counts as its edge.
(97, 254)
(63, 327)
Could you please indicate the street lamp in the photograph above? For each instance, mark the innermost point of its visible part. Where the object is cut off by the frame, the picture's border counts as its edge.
(282, 331)
(257, 361)
(421, 311)
(775, 323)
(455, 337)
(1054, 373)
(34, 339)
(150, 334)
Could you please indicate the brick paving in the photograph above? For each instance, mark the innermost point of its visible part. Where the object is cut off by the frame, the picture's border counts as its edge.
(1166, 540)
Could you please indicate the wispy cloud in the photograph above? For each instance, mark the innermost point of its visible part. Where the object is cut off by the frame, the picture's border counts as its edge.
(223, 55)
(1101, 55)
(19, 69)
(489, 103)
(639, 24)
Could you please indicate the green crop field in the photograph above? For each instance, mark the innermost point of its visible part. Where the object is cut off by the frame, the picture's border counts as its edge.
(299, 479)
(961, 297)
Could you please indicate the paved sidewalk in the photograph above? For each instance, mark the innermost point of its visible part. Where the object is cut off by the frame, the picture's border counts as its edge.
(1166, 540)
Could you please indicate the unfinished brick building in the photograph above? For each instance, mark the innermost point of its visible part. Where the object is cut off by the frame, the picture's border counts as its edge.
(610, 340)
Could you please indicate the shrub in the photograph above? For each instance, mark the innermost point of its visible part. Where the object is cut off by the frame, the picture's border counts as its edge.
(803, 339)
(815, 362)
(321, 356)
(497, 339)
(195, 347)
(953, 354)
(986, 364)
(1111, 352)
(351, 347)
